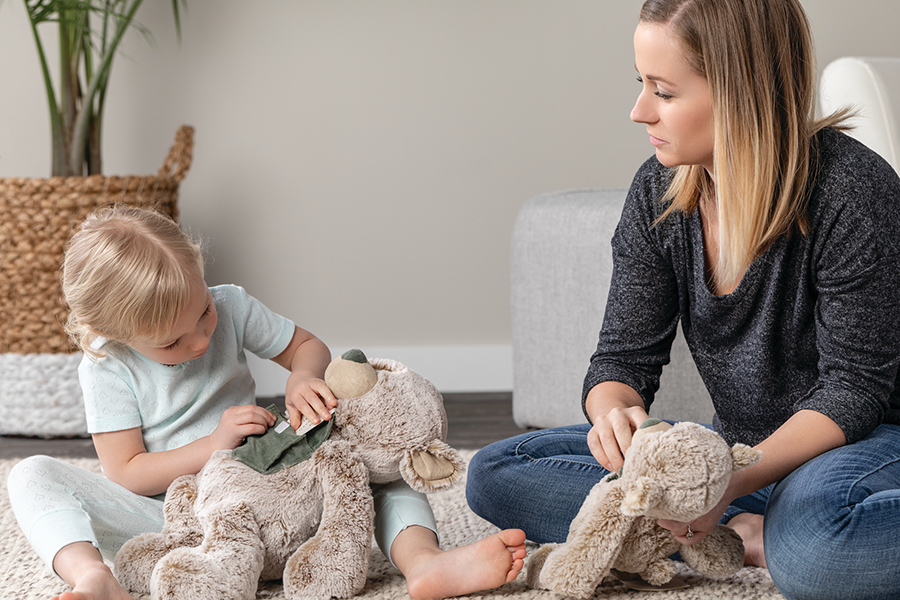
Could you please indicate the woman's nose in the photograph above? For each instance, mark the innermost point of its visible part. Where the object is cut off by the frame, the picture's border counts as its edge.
(641, 113)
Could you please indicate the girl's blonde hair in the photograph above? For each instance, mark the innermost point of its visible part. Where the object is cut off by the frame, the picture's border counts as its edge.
(128, 274)
(757, 56)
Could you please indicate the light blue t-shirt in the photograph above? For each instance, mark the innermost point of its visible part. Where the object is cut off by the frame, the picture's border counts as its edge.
(175, 405)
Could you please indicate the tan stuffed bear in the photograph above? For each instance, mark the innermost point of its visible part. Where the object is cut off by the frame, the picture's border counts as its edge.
(309, 523)
(677, 473)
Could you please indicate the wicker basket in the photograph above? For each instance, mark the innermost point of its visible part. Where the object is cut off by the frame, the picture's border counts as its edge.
(37, 216)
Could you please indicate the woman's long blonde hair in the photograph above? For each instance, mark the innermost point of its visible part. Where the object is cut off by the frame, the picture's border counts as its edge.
(128, 274)
(758, 58)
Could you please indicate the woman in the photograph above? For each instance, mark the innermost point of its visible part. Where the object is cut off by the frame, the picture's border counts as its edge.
(775, 240)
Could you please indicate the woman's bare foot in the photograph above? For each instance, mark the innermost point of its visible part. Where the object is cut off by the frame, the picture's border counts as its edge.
(434, 573)
(750, 528)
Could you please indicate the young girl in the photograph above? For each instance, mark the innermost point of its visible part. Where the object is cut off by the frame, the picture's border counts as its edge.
(775, 240)
(166, 383)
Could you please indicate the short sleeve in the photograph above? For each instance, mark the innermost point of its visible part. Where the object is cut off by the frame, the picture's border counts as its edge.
(110, 402)
(260, 330)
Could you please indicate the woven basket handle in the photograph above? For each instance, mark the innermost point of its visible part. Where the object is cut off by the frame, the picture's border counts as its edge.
(179, 159)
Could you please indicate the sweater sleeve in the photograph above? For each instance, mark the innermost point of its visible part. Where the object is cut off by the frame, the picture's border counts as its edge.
(857, 265)
(641, 314)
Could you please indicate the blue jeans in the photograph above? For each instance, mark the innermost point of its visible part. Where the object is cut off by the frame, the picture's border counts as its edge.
(830, 526)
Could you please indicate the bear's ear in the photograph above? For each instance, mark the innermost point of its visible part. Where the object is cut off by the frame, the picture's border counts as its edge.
(642, 493)
(744, 456)
(435, 468)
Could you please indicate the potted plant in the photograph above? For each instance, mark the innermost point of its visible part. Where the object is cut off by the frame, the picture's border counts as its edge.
(38, 363)
(89, 34)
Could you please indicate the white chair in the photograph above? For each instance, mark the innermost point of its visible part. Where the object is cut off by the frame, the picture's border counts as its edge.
(872, 87)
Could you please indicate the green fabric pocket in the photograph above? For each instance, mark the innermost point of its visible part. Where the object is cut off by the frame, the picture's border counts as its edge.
(279, 446)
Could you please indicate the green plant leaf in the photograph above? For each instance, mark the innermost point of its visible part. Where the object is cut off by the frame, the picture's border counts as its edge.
(90, 33)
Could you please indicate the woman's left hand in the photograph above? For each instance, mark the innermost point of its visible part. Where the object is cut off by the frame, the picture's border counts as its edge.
(688, 534)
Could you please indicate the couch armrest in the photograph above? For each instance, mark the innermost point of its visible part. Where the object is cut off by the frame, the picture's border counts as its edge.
(561, 263)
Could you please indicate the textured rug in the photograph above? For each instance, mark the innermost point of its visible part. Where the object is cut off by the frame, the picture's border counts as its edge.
(24, 577)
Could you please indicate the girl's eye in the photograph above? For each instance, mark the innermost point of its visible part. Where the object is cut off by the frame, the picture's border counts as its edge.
(207, 311)
(171, 346)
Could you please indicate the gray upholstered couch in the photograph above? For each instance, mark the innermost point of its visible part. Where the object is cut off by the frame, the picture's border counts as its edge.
(561, 265)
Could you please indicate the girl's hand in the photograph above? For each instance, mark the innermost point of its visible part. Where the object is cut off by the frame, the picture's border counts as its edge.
(238, 422)
(611, 435)
(308, 398)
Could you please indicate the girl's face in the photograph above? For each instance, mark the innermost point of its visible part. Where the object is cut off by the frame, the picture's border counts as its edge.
(189, 337)
(675, 101)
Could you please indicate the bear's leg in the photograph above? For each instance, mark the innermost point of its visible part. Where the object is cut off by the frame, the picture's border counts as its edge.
(536, 564)
(719, 554)
(136, 559)
(226, 566)
(335, 561)
(659, 572)
(595, 539)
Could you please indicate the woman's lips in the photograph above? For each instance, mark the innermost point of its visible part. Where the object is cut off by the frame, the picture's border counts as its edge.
(656, 141)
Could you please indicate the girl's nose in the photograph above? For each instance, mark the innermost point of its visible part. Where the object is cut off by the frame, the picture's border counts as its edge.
(198, 341)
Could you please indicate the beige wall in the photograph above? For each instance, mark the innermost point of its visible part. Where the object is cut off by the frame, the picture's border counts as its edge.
(359, 164)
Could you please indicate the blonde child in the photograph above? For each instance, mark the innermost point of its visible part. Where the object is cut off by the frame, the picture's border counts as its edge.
(166, 383)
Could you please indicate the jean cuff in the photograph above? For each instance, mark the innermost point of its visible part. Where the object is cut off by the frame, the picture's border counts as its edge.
(730, 513)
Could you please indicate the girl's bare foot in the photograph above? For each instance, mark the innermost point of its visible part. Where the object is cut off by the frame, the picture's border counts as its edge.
(81, 566)
(750, 528)
(488, 563)
(96, 584)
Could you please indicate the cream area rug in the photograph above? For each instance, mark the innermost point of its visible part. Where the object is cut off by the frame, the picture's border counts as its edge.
(24, 577)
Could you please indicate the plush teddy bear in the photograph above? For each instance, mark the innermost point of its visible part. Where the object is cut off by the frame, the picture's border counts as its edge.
(268, 512)
(671, 472)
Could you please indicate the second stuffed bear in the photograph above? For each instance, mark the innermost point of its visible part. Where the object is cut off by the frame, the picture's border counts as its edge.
(676, 473)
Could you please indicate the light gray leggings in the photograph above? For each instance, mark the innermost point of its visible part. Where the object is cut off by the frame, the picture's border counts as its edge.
(57, 504)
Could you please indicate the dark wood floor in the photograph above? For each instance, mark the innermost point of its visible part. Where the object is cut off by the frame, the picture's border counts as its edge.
(475, 420)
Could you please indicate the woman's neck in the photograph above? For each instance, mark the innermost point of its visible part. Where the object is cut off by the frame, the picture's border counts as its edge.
(709, 218)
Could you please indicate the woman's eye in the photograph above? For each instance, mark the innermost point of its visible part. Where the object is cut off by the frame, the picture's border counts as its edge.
(663, 95)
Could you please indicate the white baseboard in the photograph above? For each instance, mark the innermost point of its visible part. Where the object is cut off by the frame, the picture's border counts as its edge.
(485, 368)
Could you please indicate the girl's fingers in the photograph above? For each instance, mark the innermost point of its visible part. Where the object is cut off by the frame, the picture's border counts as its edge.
(321, 389)
(294, 417)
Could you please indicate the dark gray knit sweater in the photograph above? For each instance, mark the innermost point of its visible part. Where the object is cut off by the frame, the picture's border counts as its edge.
(814, 324)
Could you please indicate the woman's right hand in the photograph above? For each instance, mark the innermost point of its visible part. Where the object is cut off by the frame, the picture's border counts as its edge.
(611, 435)
(616, 411)
(237, 422)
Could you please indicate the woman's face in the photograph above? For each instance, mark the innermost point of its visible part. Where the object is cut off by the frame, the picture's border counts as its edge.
(674, 102)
